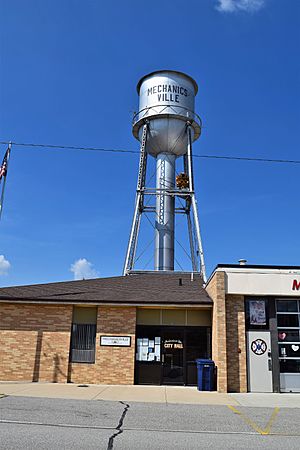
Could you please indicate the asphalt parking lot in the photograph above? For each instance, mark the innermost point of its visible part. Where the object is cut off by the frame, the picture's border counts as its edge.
(44, 423)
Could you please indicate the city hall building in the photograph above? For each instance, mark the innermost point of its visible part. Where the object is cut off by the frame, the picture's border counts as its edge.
(149, 328)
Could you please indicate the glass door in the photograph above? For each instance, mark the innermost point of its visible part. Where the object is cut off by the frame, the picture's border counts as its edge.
(173, 357)
(148, 355)
(288, 322)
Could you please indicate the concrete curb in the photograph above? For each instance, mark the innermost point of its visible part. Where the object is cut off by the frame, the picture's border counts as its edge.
(146, 394)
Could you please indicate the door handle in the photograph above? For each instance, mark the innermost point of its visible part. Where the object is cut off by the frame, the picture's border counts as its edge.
(270, 364)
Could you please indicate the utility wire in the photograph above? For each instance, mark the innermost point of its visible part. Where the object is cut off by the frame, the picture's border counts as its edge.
(70, 147)
(246, 158)
(113, 150)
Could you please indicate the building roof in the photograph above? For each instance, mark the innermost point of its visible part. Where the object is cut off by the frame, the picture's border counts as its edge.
(136, 288)
(257, 266)
(253, 268)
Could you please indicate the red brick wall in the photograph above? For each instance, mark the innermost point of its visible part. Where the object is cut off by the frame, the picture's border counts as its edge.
(34, 342)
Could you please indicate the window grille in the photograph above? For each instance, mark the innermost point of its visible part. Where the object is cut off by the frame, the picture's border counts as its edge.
(83, 343)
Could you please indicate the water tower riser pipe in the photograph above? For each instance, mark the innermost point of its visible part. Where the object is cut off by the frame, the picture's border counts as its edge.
(165, 214)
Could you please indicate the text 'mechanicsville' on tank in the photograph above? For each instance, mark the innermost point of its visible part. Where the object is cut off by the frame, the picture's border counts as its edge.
(167, 98)
(166, 125)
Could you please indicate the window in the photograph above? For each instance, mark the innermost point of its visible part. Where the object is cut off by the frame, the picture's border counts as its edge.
(288, 335)
(287, 306)
(83, 343)
(83, 335)
(288, 322)
(289, 350)
(290, 366)
(148, 344)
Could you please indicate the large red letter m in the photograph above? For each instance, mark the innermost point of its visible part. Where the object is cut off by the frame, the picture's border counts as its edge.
(296, 285)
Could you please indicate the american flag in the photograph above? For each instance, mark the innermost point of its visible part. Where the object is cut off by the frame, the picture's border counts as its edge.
(3, 168)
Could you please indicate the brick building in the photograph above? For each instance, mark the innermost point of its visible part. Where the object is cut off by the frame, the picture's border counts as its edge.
(148, 328)
(96, 331)
(256, 327)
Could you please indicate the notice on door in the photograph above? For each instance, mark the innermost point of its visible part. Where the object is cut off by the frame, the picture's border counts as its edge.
(257, 310)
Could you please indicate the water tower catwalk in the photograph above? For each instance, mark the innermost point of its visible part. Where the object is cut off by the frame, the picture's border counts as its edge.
(166, 126)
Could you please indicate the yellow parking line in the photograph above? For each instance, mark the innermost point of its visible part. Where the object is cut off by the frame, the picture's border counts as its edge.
(253, 425)
(246, 419)
(271, 421)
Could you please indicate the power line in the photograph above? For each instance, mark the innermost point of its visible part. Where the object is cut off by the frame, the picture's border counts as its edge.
(246, 158)
(114, 150)
(69, 147)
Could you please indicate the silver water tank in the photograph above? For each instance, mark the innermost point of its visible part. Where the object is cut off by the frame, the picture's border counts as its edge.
(167, 99)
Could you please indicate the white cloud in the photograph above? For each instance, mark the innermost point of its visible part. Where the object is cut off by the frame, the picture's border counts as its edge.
(4, 265)
(240, 5)
(83, 269)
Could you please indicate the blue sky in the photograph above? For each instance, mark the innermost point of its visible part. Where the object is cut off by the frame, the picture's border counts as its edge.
(68, 74)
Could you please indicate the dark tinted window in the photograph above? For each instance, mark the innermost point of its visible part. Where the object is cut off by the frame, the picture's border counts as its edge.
(287, 305)
(289, 350)
(290, 365)
(197, 343)
(288, 336)
(288, 320)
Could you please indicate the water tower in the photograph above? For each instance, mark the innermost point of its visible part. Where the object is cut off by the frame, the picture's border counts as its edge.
(166, 126)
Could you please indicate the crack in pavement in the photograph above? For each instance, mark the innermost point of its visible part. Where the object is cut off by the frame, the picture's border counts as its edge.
(118, 429)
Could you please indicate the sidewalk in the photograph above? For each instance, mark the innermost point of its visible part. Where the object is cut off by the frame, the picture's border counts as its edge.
(151, 394)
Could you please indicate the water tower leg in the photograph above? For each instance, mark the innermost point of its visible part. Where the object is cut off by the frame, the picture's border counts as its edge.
(165, 204)
(191, 239)
(139, 205)
(194, 203)
(199, 242)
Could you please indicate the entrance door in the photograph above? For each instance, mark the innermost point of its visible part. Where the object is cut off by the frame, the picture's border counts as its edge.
(259, 361)
(288, 322)
(173, 357)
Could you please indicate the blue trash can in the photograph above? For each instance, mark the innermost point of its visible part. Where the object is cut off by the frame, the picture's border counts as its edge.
(205, 373)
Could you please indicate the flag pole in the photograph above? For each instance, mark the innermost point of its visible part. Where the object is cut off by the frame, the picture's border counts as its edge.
(4, 181)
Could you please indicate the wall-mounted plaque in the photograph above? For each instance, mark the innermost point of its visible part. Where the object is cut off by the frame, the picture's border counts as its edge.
(115, 341)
